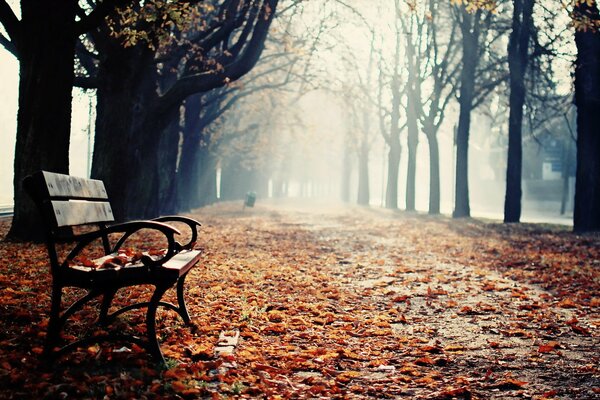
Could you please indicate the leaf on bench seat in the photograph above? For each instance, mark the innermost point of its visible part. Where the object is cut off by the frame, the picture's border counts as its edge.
(115, 262)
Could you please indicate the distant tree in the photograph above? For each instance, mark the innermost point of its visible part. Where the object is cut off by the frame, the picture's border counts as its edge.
(442, 52)
(414, 30)
(534, 47)
(471, 25)
(391, 132)
(479, 75)
(431, 56)
(518, 57)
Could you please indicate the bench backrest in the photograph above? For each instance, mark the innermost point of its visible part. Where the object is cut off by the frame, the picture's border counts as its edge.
(68, 200)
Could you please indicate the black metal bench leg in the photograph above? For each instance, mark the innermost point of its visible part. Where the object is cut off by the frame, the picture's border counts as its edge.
(183, 311)
(107, 299)
(153, 346)
(54, 324)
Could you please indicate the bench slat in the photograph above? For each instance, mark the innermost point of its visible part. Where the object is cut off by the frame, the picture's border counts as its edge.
(183, 261)
(80, 212)
(60, 185)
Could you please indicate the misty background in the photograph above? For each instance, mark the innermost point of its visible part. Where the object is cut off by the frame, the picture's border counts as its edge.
(299, 130)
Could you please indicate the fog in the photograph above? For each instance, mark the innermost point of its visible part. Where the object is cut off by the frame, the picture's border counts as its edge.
(307, 125)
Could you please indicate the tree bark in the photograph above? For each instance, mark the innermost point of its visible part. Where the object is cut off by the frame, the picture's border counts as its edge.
(391, 194)
(188, 174)
(434, 173)
(206, 190)
(167, 166)
(127, 88)
(46, 63)
(412, 143)
(393, 141)
(586, 216)
(518, 54)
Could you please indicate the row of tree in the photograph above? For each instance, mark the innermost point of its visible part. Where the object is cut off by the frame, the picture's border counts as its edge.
(475, 52)
(144, 60)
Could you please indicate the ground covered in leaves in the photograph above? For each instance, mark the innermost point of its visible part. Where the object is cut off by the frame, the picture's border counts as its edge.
(336, 302)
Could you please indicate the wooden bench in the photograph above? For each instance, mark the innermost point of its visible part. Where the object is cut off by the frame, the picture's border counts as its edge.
(68, 204)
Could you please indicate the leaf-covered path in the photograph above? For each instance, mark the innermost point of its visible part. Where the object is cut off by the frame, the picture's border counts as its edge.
(339, 302)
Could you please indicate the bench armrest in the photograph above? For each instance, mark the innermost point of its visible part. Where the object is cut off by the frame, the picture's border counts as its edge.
(127, 228)
(192, 223)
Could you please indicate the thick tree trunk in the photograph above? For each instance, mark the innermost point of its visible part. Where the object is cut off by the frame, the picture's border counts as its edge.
(363, 174)
(391, 194)
(134, 151)
(434, 173)
(167, 157)
(470, 30)
(197, 174)
(46, 53)
(518, 47)
(122, 104)
(144, 194)
(587, 98)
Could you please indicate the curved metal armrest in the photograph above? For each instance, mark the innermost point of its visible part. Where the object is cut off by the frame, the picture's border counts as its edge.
(128, 228)
(192, 223)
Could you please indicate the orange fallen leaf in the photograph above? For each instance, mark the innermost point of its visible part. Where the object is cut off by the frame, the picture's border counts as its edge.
(424, 361)
(179, 386)
(549, 394)
(567, 303)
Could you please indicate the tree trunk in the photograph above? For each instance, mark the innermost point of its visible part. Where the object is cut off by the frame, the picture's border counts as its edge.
(188, 173)
(122, 103)
(46, 56)
(434, 173)
(470, 32)
(206, 190)
(586, 216)
(167, 157)
(144, 190)
(363, 174)
(412, 143)
(567, 162)
(130, 154)
(391, 194)
(518, 53)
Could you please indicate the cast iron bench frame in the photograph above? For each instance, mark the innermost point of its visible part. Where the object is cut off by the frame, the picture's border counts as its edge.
(65, 202)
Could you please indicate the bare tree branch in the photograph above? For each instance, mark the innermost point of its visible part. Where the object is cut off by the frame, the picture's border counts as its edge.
(8, 45)
(11, 24)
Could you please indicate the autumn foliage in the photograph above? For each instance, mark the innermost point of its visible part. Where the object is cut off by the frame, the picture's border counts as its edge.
(335, 303)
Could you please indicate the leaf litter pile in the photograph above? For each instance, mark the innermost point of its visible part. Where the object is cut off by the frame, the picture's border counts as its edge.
(292, 302)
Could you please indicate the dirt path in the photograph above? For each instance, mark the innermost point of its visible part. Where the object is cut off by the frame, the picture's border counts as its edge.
(452, 325)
